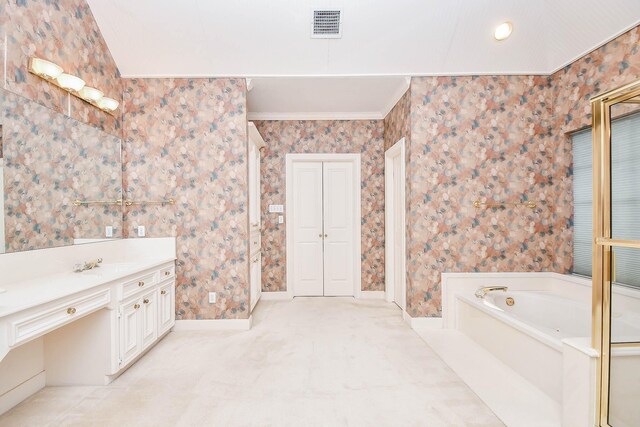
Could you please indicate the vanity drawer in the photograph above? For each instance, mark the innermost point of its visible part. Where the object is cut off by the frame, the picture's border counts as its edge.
(136, 285)
(167, 272)
(26, 328)
(254, 243)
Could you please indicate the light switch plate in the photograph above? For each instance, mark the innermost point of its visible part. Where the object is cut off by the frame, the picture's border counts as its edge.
(212, 297)
(280, 219)
(142, 231)
(276, 208)
(108, 231)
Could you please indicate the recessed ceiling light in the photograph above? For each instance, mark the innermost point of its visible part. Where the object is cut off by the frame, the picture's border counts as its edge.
(503, 31)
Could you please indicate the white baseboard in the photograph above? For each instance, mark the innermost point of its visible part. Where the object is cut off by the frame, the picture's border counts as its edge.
(380, 295)
(22, 391)
(213, 325)
(275, 296)
(422, 322)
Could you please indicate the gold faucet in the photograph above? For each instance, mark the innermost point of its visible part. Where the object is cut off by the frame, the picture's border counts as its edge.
(482, 291)
(88, 265)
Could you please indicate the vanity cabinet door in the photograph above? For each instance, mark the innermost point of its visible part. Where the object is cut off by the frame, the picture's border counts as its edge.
(166, 307)
(130, 337)
(149, 313)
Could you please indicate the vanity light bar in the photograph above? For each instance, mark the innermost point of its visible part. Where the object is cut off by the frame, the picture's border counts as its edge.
(54, 74)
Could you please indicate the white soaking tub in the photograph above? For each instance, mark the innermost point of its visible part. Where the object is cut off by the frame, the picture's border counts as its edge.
(542, 315)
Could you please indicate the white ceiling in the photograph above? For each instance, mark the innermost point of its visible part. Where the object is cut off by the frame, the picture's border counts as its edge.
(271, 38)
(316, 98)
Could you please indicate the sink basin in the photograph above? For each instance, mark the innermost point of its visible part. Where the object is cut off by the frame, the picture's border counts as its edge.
(115, 267)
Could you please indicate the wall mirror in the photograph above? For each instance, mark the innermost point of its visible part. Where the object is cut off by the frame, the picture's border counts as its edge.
(60, 179)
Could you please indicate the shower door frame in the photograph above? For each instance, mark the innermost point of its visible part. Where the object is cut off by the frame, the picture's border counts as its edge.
(603, 242)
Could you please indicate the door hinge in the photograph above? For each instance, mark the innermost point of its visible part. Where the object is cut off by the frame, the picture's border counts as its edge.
(119, 361)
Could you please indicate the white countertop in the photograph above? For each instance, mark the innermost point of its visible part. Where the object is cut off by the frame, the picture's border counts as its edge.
(22, 295)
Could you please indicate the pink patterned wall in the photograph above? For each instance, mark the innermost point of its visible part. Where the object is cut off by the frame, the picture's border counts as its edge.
(397, 124)
(282, 137)
(187, 139)
(500, 138)
(65, 32)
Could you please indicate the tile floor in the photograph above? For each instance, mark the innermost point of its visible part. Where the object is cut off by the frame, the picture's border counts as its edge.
(309, 362)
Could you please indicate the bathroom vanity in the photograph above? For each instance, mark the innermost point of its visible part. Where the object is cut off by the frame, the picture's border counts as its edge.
(60, 327)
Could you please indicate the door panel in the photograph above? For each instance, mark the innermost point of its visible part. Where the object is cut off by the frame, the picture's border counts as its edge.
(398, 232)
(149, 318)
(339, 212)
(166, 307)
(130, 345)
(307, 226)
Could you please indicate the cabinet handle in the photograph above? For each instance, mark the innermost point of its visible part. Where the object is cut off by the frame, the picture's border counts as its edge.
(326, 235)
(141, 284)
(163, 292)
(146, 301)
(320, 235)
(167, 273)
(136, 306)
(71, 310)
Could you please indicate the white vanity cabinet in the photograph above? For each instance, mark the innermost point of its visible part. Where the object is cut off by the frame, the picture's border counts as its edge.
(98, 323)
(255, 223)
(145, 312)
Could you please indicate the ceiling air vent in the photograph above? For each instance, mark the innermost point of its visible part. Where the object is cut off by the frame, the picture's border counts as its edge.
(327, 24)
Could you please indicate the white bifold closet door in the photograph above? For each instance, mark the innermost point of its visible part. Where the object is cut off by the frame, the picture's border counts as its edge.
(324, 210)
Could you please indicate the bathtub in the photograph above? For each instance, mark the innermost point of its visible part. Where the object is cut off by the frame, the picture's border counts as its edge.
(545, 336)
(543, 315)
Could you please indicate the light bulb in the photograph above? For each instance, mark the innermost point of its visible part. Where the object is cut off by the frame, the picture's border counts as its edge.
(44, 68)
(108, 104)
(90, 94)
(69, 82)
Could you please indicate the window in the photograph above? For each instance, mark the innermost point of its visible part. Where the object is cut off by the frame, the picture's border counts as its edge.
(625, 167)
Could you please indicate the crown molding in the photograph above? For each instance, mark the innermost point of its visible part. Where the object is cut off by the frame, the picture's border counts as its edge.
(364, 115)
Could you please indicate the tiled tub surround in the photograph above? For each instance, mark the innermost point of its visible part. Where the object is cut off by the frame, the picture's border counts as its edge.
(50, 160)
(60, 327)
(186, 139)
(65, 32)
(323, 136)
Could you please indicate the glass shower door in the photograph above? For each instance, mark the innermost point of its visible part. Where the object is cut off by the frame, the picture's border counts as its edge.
(616, 262)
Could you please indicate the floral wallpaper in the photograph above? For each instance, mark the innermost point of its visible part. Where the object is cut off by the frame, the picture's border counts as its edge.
(478, 138)
(50, 161)
(325, 136)
(501, 138)
(397, 124)
(186, 139)
(65, 32)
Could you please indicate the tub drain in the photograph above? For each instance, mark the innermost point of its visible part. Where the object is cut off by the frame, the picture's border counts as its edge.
(510, 301)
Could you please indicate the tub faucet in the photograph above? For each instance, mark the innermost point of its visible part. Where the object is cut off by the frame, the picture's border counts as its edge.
(481, 292)
(89, 265)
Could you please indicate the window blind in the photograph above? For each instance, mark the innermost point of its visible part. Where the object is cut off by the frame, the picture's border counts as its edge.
(625, 198)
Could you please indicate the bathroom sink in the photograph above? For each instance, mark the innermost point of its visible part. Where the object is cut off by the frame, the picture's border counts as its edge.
(115, 267)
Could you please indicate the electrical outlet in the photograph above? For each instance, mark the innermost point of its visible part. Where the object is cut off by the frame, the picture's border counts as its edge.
(280, 219)
(142, 231)
(212, 297)
(108, 231)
